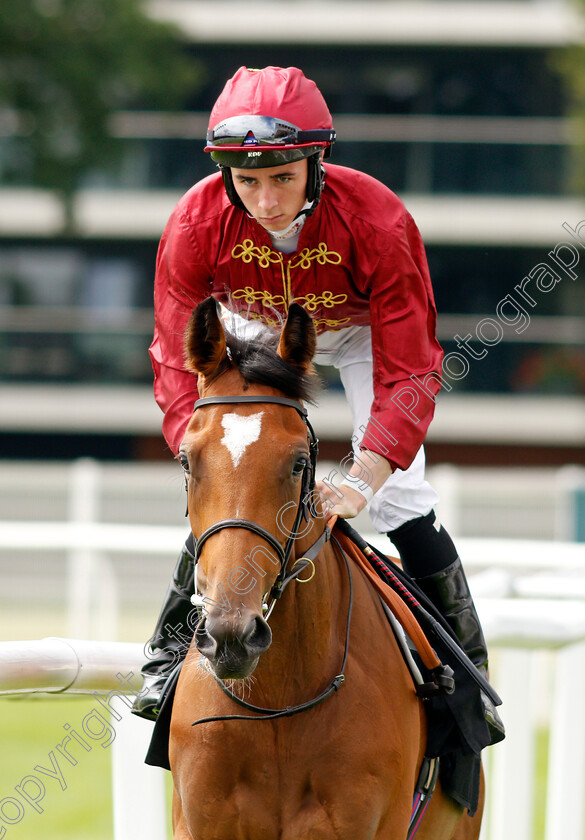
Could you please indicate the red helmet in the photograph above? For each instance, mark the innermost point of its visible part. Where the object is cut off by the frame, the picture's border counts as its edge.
(270, 117)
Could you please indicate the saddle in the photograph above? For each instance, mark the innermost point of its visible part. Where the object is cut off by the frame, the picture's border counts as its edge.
(445, 679)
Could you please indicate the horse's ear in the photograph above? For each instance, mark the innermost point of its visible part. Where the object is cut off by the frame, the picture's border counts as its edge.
(298, 340)
(205, 347)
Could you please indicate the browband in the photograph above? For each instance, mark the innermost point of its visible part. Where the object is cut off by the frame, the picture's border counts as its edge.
(252, 399)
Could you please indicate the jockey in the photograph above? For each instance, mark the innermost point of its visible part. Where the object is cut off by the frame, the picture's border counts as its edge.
(276, 224)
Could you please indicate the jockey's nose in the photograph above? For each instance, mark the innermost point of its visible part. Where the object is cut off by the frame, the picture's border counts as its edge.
(268, 198)
(232, 646)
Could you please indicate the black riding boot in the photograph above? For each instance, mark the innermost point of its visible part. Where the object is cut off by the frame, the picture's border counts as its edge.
(430, 558)
(449, 592)
(172, 635)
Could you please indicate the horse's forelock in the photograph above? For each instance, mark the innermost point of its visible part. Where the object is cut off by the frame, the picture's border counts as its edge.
(258, 362)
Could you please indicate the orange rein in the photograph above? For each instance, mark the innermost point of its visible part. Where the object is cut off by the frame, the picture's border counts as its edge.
(393, 600)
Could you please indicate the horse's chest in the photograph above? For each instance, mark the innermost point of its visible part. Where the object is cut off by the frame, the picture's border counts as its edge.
(268, 795)
(253, 813)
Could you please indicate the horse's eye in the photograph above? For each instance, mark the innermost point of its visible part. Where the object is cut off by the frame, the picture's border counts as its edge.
(184, 461)
(300, 464)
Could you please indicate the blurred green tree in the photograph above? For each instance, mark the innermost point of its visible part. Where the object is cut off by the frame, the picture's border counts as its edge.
(569, 64)
(66, 65)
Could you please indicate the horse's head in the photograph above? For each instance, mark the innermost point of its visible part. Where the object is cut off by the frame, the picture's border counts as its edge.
(249, 465)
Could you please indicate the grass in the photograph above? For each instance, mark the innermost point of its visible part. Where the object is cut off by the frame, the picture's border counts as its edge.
(77, 806)
(30, 731)
(80, 806)
(541, 757)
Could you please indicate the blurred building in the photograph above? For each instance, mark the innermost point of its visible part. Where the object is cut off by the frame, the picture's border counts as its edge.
(456, 106)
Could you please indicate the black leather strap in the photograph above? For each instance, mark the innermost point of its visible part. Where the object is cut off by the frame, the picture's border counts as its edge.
(262, 713)
(258, 398)
(240, 523)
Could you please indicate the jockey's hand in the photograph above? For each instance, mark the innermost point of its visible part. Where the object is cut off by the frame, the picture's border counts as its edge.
(340, 501)
(369, 472)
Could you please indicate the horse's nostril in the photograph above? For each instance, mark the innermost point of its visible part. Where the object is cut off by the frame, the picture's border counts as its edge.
(215, 637)
(204, 641)
(258, 636)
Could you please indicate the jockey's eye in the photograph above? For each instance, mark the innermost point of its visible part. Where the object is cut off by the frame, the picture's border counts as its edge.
(300, 465)
(184, 462)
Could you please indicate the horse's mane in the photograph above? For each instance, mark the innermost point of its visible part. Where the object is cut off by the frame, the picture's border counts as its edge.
(258, 362)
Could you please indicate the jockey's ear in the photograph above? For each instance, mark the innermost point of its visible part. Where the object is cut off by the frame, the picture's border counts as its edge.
(205, 347)
(298, 340)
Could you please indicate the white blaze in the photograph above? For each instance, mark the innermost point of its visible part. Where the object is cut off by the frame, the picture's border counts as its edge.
(240, 432)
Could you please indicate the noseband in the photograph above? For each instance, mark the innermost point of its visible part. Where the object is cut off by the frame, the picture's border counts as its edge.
(305, 506)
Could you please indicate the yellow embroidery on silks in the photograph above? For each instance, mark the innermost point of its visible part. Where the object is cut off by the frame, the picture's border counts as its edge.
(250, 295)
(327, 299)
(247, 252)
(320, 253)
(328, 322)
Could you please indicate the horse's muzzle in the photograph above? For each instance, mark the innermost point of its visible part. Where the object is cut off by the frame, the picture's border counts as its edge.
(232, 647)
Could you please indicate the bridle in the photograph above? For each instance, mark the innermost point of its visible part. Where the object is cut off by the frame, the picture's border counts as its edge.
(305, 505)
(304, 510)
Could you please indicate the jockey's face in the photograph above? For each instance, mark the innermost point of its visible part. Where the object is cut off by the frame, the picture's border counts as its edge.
(275, 195)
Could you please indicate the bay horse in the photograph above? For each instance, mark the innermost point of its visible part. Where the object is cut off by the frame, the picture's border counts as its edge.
(330, 744)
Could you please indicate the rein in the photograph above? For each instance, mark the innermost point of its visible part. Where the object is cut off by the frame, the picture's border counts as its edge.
(271, 714)
(284, 554)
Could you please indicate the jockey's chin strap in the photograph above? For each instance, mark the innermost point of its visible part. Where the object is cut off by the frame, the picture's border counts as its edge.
(305, 505)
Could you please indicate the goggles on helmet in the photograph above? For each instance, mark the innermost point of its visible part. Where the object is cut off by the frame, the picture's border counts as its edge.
(242, 132)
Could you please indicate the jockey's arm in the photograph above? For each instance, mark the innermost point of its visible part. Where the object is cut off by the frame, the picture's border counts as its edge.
(368, 472)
